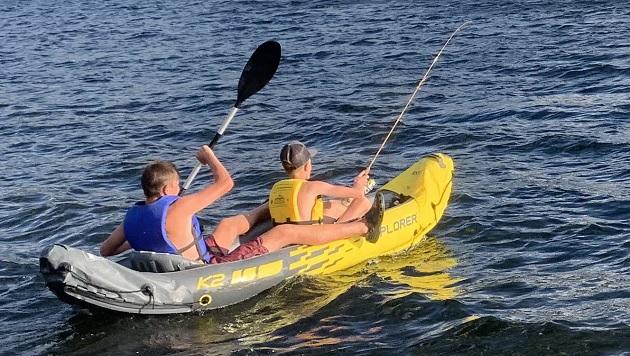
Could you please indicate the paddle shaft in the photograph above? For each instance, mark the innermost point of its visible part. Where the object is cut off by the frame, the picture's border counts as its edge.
(260, 68)
(415, 92)
(214, 141)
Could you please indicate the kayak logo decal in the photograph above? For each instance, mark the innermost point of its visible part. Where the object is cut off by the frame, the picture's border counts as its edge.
(242, 275)
(317, 258)
(405, 222)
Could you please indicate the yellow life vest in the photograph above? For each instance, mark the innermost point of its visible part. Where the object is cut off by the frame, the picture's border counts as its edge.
(283, 204)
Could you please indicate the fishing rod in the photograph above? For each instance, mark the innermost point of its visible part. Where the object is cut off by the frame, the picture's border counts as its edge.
(415, 92)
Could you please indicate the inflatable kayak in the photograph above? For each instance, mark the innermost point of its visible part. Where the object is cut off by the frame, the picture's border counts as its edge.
(157, 283)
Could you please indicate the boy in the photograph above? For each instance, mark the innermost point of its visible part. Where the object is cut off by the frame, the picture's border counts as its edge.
(296, 208)
(165, 222)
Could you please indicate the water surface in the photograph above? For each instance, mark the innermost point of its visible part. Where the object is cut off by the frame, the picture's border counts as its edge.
(531, 100)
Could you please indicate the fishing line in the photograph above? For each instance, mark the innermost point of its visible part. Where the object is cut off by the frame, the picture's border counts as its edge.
(415, 92)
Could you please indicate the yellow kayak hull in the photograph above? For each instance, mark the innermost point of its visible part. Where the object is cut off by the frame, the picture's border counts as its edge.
(427, 183)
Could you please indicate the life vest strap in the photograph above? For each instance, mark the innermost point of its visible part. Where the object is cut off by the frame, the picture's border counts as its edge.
(186, 248)
(190, 245)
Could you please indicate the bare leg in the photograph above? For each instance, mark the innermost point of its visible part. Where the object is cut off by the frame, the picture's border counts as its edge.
(342, 210)
(283, 235)
(334, 208)
(357, 209)
(228, 229)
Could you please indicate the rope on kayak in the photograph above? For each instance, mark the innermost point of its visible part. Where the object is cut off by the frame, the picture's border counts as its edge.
(86, 282)
(145, 289)
(424, 79)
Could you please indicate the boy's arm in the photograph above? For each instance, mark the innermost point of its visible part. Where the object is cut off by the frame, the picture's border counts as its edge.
(339, 191)
(116, 243)
(334, 191)
(190, 204)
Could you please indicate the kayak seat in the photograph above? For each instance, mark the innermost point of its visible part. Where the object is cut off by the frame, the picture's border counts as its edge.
(146, 261)
(393, 199)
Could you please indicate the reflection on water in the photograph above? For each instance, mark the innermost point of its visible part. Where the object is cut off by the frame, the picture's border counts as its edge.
(423, 269)
(328, 301)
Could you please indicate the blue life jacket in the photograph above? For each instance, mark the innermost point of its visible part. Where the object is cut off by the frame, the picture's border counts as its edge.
(145, 231)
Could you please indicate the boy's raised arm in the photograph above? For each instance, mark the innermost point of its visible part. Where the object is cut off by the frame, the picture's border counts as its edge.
(223, 183)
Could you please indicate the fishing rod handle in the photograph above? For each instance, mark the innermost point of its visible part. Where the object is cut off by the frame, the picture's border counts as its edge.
(371, 184)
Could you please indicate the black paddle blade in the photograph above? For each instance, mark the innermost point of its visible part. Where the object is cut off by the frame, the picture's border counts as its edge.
(260, 68)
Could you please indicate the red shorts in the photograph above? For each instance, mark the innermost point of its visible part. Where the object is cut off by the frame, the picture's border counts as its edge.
(250, 249)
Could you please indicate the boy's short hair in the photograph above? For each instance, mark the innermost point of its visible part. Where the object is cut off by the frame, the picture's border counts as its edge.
(156, 175)
(294, 155)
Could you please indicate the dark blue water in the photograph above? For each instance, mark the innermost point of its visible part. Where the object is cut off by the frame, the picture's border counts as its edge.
(532, 100)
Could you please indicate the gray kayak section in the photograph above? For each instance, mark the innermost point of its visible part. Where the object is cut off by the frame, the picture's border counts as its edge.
(155, 283)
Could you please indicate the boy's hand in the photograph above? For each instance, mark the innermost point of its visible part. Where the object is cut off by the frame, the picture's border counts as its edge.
(361, 180)
(205, 155)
